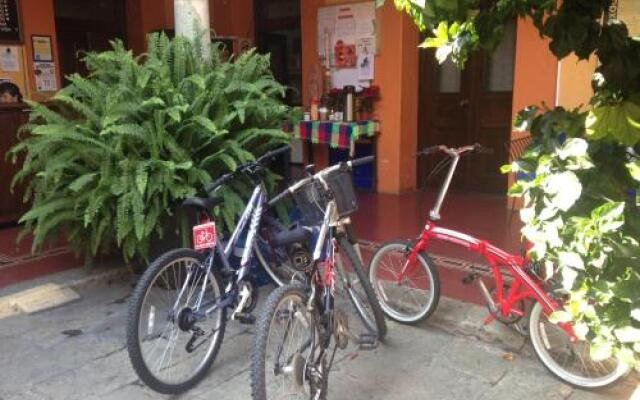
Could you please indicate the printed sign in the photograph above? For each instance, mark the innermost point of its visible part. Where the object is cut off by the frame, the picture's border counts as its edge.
(42, 48)
(204, 236)
(45, 76)
(9, 59)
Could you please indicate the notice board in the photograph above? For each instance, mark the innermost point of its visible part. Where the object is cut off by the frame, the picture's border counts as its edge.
(9, 21)
(346, 42)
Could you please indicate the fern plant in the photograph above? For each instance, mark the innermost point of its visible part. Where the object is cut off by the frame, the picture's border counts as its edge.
(112, 156)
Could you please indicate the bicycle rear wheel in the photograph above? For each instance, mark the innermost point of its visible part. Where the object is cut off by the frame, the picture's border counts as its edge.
(571, 362)
(412, 298)
(282, 364)
(171, 350)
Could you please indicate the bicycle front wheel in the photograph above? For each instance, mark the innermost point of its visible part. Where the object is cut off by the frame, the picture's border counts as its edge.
(571, 362)
(170, 347)
(410, 298)
(282, 363)
(359, 290)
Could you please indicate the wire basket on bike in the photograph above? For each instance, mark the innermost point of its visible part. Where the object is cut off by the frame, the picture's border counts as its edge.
(312, 198)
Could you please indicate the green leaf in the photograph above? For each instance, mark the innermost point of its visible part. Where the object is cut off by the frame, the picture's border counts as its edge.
(82, 181)
(560, 316)
(573, 147)
(564, 189)
(568, 278)
(569, 259)
(634, 170)
(628, 334)
(600, 351)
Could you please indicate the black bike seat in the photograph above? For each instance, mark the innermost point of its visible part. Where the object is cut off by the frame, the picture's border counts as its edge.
(301, 234)
(203, 203)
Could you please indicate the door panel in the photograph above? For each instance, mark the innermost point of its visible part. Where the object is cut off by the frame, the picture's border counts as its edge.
(469, 106)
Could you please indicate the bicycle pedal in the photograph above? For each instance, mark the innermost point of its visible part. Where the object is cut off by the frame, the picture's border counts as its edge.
(368, 342)
(245, 318)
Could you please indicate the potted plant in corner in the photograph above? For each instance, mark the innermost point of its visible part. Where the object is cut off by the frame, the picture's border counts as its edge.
(366, 102)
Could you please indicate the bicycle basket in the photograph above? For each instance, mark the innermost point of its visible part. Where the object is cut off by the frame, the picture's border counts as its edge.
(312, 198)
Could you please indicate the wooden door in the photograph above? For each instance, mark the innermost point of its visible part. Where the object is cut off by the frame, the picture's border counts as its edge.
(12, 116)
(86, 26)
(469, 106)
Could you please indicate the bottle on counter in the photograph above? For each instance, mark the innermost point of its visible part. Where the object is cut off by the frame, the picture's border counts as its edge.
(349, 103)
(315, 104)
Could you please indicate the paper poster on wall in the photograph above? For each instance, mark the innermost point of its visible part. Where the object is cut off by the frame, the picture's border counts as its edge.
(45, 76)
(9, 59)
(339, 30)
(366, 55)
(42, 48)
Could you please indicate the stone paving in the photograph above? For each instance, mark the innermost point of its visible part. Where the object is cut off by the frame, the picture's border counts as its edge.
(78, 352)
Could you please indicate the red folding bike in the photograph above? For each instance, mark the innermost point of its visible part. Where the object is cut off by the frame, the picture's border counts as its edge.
(408, 287)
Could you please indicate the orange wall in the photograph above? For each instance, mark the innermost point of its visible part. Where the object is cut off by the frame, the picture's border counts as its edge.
(397, 75)
(536, 69)
(228, 18)
(396, 71)
(38, 19)
(575, 81)
(535, 76)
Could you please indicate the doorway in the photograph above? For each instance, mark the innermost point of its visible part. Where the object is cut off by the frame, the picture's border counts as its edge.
(278, 33)
(83, 26)
(469, 106)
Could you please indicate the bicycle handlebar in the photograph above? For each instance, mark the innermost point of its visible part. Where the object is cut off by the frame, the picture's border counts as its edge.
(260, 162)
(296, 186)
(453, 151)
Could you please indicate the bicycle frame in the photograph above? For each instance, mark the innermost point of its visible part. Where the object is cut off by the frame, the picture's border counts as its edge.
(523, 286)
(253, 212)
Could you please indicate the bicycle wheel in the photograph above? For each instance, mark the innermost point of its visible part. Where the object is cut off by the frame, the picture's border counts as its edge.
(281, 364)
(571, 362)
(171, 350)
(414, 297)
(359, 290)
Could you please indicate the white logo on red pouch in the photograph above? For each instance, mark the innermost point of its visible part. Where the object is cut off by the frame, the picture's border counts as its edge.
(204, 236)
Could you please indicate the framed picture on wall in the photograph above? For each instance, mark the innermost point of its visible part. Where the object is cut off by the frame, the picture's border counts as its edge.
(42, 50)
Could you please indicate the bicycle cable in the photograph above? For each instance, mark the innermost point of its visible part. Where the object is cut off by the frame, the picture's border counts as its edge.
(440, 166)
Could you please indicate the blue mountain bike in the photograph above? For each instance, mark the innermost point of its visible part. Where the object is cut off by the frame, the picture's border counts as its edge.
(181, 304)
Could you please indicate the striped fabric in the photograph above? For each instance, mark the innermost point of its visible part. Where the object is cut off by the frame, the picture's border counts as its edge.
(342, 135)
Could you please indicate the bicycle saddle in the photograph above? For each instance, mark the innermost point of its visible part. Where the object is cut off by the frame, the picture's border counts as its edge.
(203, 203)
(300, 234)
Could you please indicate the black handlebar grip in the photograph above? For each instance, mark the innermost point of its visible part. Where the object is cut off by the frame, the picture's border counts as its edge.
(361, 161)
(274, 153)
(224, 178)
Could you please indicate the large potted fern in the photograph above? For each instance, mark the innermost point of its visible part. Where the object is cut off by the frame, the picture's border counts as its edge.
(127, 143)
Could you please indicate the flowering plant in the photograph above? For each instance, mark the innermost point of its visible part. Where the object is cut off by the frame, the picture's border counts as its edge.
(367, 96)
(335, 98)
